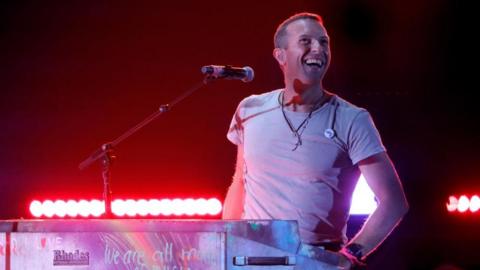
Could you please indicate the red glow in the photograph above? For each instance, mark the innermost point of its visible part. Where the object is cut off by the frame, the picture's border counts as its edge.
(129, 208)
(463, 203)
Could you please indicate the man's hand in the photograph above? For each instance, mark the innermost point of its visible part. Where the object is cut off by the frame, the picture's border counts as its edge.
(348, 261)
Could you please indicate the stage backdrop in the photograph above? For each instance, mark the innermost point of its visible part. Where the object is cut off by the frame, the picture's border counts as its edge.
(76, 74)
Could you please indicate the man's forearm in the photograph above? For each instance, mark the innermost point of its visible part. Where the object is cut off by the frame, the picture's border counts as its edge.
(382, 178)
(379, 225)
(233, 204)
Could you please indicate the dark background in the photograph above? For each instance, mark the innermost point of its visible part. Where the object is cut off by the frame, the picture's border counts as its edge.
(76, 74)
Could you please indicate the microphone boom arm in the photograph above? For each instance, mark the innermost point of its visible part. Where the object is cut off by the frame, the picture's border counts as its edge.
(106, 151)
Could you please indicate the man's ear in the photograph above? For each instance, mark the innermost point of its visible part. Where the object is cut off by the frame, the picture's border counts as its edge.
(279, 55)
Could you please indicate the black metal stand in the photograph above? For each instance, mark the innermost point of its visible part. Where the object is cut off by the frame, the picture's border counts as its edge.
(107, 161)
(106, 151)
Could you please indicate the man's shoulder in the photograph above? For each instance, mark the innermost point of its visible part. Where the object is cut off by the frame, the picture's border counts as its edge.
(258, 100)
(346, 107)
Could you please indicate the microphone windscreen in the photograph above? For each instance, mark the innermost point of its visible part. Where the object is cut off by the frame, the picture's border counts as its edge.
(249, 74)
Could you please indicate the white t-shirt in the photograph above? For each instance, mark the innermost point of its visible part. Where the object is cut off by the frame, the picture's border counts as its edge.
(314, 183)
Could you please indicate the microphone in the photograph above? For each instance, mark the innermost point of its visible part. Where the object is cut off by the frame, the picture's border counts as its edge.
(228, 72)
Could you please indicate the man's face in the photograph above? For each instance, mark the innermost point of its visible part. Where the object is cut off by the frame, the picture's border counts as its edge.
(307, 54)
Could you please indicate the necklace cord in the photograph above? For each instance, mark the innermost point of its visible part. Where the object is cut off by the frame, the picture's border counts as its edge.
(304, 123)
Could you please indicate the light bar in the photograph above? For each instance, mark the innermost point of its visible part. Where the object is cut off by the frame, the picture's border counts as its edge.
(126, 208)
(463, 203)
(363, 203)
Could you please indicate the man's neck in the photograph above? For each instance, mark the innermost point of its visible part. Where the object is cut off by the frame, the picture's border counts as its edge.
(302, 98)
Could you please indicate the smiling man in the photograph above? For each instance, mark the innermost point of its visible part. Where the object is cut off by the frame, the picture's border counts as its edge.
(301, 150)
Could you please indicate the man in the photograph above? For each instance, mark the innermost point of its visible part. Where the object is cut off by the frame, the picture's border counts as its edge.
(301, 150)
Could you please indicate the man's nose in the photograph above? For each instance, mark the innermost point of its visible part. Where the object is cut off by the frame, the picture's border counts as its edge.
(315, 45)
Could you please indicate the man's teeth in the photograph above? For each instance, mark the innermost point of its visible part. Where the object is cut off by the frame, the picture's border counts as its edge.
(317, 62)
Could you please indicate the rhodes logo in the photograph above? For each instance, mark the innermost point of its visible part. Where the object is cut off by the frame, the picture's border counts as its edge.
(61, 257)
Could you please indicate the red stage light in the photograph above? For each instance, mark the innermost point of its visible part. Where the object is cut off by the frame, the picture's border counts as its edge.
(474, 203)
(36, 208)
(202, 207)
(118, 208)
(214, 206)
(48, 208)
(97, 208)
(72, 209)
(130, 208)
(190, 207)
(452, 204)
(463, 203)
(60, 208)
(177, 207)
(166, 208)
(154, 207)
(83, 208)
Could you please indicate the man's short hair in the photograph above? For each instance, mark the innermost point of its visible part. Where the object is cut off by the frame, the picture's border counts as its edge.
(279, 37)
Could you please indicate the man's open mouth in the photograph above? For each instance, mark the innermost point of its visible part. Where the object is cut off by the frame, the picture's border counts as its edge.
(314, 62)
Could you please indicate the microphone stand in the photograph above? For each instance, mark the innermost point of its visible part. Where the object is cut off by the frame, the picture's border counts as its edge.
(106, 151)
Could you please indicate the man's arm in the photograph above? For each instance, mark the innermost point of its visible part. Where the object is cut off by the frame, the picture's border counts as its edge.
(233, 205)
(382, 178)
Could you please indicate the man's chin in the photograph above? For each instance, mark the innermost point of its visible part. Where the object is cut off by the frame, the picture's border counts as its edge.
(311, 77)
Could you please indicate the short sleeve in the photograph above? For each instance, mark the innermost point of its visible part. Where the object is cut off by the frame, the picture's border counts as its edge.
(364, 139)
(235, 131)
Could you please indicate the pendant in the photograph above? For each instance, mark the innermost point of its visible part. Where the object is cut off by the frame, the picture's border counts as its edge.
(299, 142)
(329, 133)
